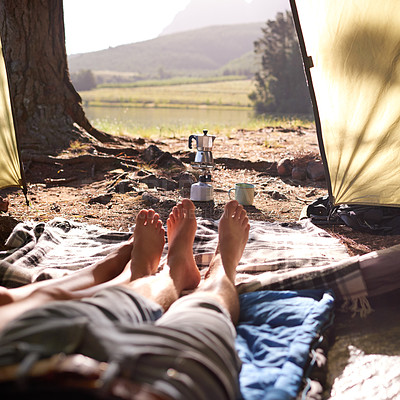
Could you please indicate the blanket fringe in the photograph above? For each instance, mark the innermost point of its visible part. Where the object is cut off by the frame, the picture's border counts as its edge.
(357, 306)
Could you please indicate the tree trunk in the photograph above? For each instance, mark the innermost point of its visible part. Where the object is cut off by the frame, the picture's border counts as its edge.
(47, 109)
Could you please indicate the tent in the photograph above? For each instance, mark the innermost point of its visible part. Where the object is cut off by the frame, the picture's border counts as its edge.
(11, 171)
(351, 54)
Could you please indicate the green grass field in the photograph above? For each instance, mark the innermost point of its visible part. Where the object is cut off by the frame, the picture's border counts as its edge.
(226, 94)
(121, 127)
(181, 94)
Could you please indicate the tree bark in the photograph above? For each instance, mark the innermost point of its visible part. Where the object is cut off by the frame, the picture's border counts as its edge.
(47, 109)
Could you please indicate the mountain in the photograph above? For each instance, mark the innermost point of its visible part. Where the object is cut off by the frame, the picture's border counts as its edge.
(195, 52)
(202, 13)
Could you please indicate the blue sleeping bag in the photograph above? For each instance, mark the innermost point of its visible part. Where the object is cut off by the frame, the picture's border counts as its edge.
(275, 334)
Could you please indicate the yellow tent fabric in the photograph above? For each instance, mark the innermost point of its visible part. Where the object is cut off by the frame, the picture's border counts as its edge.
(10, 170)
(355, 48)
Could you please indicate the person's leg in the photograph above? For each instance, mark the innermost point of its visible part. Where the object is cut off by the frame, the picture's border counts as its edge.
(104, 270)
(195, 338)
(113, 268)
(219, 285)
(194, 341)
(139, 257)
(233, 233)
(215, 367)
(202, 321)
(181, 272)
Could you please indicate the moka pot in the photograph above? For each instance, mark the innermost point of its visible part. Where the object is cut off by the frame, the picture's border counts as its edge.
(204, 143)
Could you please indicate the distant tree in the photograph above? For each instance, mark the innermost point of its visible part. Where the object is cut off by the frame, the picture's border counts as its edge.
(280, 82)
(47, 109)
(84, 80)
(162, 74)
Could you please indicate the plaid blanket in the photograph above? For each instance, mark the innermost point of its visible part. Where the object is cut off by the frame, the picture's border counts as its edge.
(277, 256)
(53, 249)
(288, 257)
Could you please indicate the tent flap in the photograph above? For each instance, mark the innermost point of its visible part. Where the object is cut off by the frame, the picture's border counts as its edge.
(355, 48)
(10, 167)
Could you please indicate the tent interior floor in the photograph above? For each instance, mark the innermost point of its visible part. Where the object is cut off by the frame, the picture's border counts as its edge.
(363, 361)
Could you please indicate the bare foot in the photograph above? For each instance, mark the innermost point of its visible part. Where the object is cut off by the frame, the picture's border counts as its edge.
(181, 230)
(233, 233)
(148, 244)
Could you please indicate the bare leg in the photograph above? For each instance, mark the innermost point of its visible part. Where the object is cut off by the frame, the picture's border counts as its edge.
(102, 271)
(37, 298)
(220, 279)
(145, 249)
(116, 268)
(148, 244)
(181, 272)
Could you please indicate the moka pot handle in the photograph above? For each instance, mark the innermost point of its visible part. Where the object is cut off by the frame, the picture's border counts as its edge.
(191, 137)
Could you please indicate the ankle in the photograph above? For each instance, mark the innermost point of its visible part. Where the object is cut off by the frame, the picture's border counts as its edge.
(180, 282)
(141, 269)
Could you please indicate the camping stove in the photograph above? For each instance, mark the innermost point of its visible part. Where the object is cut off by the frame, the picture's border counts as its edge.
(203, 160)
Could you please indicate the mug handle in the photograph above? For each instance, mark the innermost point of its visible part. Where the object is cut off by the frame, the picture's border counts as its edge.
(229, 193)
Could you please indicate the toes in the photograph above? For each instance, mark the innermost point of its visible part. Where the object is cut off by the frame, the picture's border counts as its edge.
(187, 203)
(230, 208)
(176, 212)
(180, 210)
(153, 219)
(236, 211)
(171, 219)
(241, 214)
(188, 208)
(150, 215)
(141, 217)
(159, 227)
(156, 219)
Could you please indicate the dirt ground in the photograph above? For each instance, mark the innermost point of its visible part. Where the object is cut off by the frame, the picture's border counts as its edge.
(85, 184)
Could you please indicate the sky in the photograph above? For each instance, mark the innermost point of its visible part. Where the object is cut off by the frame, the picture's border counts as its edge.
(92, 25)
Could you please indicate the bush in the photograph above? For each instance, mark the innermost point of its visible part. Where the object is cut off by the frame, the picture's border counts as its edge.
(83, 80)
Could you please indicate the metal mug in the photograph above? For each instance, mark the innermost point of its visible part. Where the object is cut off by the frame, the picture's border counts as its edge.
(244, 193)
